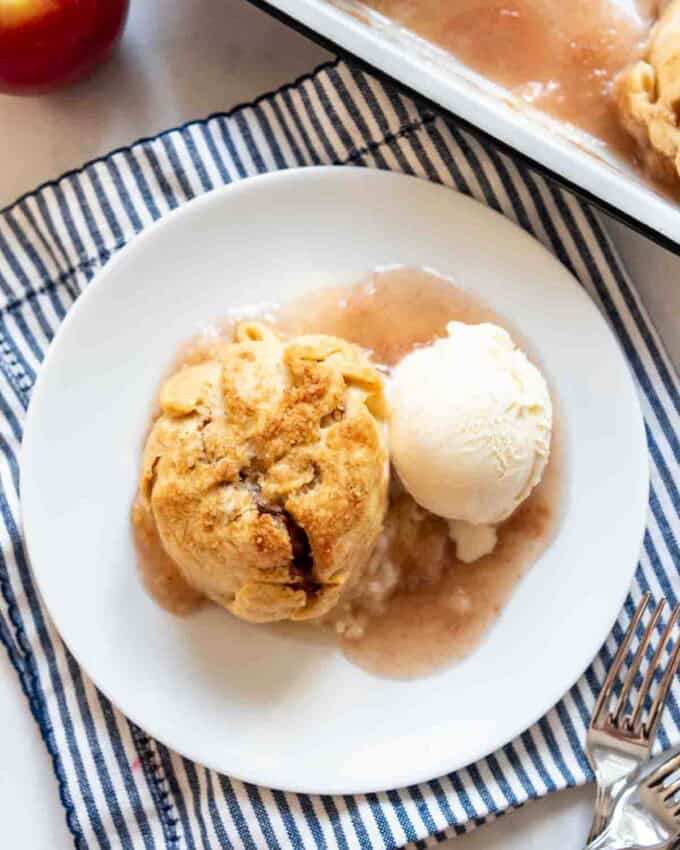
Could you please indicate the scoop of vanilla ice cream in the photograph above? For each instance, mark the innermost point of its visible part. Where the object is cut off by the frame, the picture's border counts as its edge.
(470, 429)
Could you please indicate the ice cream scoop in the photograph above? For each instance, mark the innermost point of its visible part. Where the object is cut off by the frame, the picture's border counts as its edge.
(470, 429)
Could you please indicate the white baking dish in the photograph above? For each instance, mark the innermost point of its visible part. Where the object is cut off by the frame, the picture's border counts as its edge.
(572, 156)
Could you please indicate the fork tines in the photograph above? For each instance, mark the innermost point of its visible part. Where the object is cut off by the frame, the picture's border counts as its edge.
(656, 782)
(633, 723)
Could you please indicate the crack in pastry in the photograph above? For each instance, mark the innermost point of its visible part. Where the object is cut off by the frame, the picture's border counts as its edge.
(266, 473)
(302, 562)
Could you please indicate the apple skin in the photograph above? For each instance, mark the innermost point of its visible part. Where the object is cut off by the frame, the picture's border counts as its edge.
(46, 44)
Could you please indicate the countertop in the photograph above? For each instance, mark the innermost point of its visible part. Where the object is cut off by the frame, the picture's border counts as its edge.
(179, 61)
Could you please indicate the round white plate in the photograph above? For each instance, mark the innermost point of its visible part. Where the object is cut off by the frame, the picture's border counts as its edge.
(247, 700)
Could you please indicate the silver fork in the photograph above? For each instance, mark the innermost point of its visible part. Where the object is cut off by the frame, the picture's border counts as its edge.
(646, 813)
(617, 742)
(659, 794)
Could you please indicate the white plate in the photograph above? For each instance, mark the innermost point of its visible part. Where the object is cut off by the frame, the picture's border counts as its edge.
(242, 699)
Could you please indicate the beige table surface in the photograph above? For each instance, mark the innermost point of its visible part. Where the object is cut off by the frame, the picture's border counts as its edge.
(183, 59)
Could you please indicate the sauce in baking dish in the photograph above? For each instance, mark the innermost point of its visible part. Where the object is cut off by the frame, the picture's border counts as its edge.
(559, 55)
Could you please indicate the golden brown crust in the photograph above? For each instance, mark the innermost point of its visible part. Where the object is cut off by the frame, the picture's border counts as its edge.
(266, 472)
(648, 98)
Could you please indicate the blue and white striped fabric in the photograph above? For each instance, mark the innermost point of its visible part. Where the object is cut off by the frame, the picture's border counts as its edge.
(120, 788)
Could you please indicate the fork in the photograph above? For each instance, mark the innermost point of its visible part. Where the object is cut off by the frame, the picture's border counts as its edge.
(617, 742)
(659, 794)
(646, 813)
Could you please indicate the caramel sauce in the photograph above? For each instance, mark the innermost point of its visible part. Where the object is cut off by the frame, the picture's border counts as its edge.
(389, 313)
(442, 607)
(559, 56)
(443, 617)
(158, 573)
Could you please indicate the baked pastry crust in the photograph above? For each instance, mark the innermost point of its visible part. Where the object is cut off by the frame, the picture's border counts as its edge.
(648, 98)
(266, 472)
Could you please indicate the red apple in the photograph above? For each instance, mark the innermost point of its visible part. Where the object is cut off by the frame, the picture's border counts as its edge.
(48, 43)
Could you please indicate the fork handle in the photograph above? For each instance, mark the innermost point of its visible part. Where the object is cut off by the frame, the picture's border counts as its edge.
(601, 812)
(604, 841)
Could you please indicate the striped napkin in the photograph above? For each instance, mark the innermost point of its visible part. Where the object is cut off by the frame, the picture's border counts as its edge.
(120, 788)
